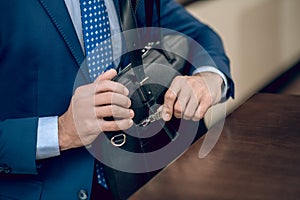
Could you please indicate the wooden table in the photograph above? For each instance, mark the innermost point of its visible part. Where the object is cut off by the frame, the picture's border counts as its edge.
(256, 157)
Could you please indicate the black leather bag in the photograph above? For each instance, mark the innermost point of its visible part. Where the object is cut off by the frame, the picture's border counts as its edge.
(153, 68)
(160, 66)
(147, 77)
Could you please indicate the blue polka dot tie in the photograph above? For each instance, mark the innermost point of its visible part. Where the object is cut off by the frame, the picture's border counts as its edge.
(98, 48)
(96, 36)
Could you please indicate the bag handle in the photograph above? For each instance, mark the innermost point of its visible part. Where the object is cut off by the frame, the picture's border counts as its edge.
(132, 40)
(149, 4)
(149, 7)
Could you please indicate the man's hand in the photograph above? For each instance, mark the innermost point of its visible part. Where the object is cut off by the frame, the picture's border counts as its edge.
(83, 121)
(190, 97)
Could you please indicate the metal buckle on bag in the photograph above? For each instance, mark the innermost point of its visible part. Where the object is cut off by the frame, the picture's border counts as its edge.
(118, 140)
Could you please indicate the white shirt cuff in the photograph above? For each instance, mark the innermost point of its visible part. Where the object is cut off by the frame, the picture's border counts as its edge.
(47, 138)
(225, 86)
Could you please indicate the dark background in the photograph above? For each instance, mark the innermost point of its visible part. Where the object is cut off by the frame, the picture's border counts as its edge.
(185, 2)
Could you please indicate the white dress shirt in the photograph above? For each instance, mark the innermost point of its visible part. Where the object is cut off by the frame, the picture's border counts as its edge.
(47, 134)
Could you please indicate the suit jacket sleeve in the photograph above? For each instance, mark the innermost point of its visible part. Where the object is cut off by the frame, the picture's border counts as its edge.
(175, 17)
(37, 73)
(17, 153)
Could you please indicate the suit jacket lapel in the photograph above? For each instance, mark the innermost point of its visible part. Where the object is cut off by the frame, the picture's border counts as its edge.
(59, 15)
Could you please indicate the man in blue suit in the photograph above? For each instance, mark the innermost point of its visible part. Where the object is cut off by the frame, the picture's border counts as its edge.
(44, 125)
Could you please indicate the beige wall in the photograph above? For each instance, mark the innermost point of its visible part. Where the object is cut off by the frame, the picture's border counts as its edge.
(261, 37)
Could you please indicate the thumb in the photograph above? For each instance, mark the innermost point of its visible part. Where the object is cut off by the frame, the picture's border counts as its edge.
(108, 75)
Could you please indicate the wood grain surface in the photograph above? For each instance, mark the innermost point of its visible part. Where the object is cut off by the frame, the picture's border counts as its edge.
(256, 157)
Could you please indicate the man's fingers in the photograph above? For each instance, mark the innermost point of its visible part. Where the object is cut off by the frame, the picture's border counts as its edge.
(191, 108)
(114, 111)
(104, 83)
(201, 110)
(117, 125)
(108, 75)
(110, 86)
(111, 98)
(183, 99)
(169, 101)
(171, 97)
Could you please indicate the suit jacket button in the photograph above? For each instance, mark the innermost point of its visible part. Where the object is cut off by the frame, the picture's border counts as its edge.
(82, 195)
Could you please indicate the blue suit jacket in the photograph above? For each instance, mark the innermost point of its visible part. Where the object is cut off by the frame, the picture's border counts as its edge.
(40, 57)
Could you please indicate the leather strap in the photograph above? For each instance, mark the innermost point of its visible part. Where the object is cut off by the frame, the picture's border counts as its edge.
(149, 7)
(132, 40)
